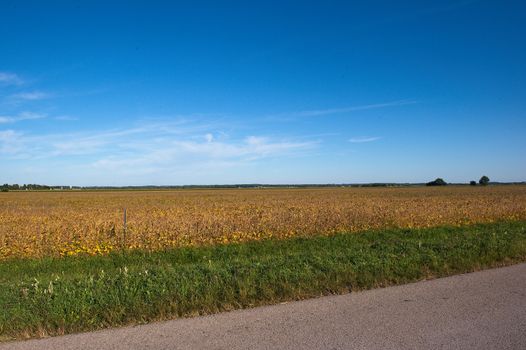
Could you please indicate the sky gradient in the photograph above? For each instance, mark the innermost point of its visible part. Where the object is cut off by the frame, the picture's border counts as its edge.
(172, 93)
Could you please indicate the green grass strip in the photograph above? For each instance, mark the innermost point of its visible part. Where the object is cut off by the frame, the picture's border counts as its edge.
(57, 296)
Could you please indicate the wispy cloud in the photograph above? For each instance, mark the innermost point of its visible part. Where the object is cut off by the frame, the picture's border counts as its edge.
(10, 79)
(329, 111)
(181, 155)
(20, 117)
(65, 118)
(249, 148)
(9, 142)
(363, 139)
(30, 96)
(154, 146)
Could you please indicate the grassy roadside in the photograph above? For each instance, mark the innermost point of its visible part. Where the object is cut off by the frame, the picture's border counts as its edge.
(56, 296)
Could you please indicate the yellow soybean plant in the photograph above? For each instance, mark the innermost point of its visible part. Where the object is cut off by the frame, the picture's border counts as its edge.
(52, 223)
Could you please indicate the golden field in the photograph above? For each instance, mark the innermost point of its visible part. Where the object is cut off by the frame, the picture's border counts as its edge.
(36, 224)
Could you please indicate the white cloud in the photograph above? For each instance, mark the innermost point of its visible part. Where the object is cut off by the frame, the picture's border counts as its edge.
(252, 147)
(255, 140)
(191, 157)
(168, 152)
(328, 111)
(363, 139)
(7, 135)
(66, 118)
(158, 145)
(10, 79)
(30, 96)
(9, 142)
(20, 117)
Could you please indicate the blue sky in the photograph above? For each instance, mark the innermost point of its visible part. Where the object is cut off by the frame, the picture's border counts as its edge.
(135, 93)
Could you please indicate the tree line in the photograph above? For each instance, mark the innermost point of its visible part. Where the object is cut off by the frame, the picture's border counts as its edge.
(33, 187)
(484, 181)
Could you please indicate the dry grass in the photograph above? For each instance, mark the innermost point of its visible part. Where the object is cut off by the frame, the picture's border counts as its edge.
(36, 224)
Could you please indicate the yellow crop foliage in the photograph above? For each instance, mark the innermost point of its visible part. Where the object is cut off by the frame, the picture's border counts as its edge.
(36, 224)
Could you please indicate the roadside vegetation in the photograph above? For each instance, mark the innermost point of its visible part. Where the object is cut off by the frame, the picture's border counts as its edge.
(54, 295)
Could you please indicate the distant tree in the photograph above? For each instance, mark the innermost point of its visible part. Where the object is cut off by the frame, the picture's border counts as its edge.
(437, 182)
(484, 180)
(473, 183)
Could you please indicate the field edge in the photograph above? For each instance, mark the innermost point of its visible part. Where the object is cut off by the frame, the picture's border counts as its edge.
(49, 297)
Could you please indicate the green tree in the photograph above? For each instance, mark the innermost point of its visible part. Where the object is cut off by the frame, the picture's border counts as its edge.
(473, 183)
(437, 182)
(484, 180)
